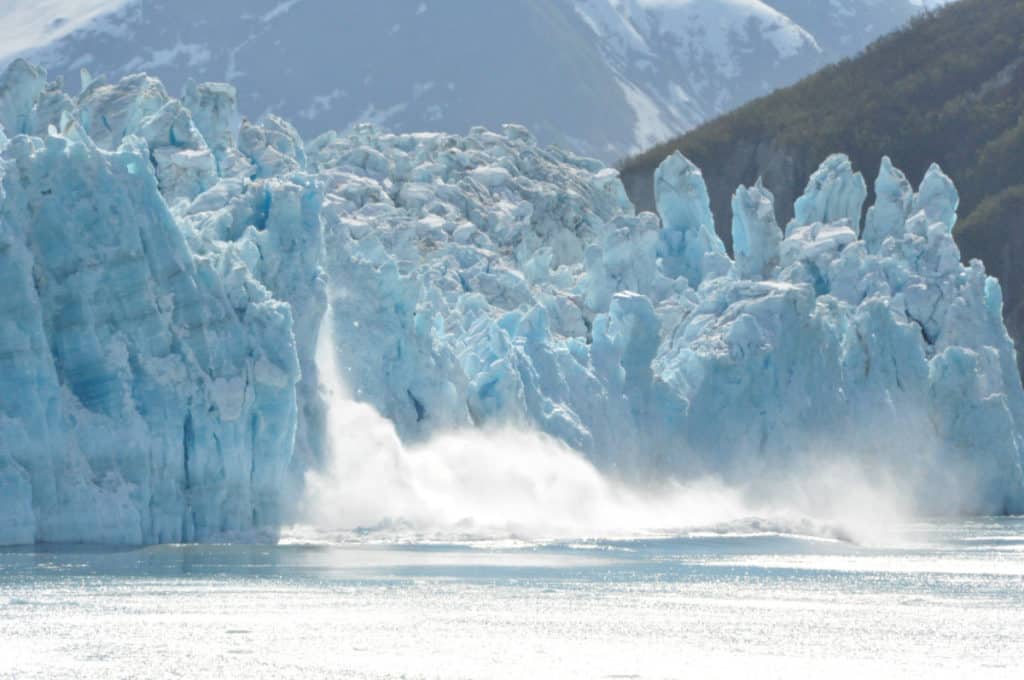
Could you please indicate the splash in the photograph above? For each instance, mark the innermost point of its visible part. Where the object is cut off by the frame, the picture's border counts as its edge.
(506, 483)
(476, 482)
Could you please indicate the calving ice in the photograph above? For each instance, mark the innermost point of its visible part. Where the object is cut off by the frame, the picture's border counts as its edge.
(167, 273)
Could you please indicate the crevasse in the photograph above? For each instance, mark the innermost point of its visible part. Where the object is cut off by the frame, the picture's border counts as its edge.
(166, 268)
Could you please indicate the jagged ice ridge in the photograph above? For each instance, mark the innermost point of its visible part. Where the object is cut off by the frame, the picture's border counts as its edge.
(166, 271)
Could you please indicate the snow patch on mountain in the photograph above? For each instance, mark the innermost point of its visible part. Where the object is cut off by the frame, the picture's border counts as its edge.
(30, 24)
(649, 69)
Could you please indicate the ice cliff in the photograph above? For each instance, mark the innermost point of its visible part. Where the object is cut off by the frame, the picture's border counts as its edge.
(166, 269)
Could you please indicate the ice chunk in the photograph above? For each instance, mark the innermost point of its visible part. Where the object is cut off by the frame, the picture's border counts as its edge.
(756, 236)
(894, 199)
(20, 86)
(938, 198)
(274, 147)
(834, 192)
(690, 246)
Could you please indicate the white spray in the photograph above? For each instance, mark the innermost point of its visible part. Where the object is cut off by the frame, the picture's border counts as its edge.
(500, 483)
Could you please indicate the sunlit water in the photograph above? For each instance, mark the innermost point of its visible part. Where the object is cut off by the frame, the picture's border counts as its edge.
(737, 601)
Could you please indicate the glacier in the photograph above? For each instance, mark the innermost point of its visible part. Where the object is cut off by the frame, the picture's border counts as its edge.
(168, 268)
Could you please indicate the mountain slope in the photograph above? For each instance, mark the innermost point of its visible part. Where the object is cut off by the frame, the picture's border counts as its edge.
(28, 24)
(602, 77)
(949, 88)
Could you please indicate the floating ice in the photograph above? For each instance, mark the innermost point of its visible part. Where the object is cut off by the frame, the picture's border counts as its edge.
(166, 270)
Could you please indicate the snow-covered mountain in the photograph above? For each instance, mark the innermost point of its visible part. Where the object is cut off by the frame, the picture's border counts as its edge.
(603, 77)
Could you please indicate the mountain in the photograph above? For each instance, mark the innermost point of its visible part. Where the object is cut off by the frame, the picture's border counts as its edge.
(948, 88)
(602, 77)
(186, 303)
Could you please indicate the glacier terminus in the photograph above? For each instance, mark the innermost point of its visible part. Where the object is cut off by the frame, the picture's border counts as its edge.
(166, 269)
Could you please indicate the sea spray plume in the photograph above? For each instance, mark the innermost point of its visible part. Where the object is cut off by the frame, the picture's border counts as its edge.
(502, 483)
(165, 292)
(495, 482)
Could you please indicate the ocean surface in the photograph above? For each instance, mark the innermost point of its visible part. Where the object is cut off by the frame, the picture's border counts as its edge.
(747, 599)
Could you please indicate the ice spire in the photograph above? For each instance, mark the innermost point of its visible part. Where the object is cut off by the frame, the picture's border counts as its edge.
(20, 86)
(834, 192)
(756, 236)
(893, 200)
(690, 247)
(938, 198)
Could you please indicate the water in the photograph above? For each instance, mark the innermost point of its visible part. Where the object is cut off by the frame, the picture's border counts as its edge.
(739, 600)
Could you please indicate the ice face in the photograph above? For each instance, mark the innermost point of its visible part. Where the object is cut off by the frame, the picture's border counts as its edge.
(167, 270)
(149, 384)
